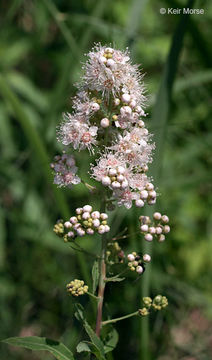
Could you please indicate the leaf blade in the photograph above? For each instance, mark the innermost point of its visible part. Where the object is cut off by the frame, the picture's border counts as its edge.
(59, 350)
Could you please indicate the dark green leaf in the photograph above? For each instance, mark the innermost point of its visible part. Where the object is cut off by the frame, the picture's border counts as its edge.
(112, 340)
(60, 351)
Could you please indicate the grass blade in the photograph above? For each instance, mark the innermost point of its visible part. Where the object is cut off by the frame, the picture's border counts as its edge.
(159, 121)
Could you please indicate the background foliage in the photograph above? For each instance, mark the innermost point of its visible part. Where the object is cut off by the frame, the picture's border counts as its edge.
(41, 48)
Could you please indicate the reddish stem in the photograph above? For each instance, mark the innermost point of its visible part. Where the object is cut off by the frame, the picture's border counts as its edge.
(101, 296)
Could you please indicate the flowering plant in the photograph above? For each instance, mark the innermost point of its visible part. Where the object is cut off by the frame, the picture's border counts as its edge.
(107, 120)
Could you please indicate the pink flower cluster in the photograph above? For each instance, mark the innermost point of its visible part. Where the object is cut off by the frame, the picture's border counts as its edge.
(107, 113)
(65, 171)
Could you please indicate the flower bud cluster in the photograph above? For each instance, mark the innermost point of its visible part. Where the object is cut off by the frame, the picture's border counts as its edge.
(59, 228)
(86, 221)
(146, 195)
(126, 109)
(127, 181)
(77, 288)
(158, 303)
(137, 263)
(157, 228)
(115, 178)
(65, 170)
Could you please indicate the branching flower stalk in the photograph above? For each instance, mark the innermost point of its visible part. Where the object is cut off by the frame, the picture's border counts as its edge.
(108, 122)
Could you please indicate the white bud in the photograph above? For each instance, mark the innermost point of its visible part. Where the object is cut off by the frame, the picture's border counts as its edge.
(141, 123)
(102, 59)
(157, 216)
(67, 225)
(120, 178)
(139, 203)
(86, 215)
(144, 194)
(96, 223)
(90, 231)
(146, 258)
(152, 194)
(149, 186)
(105, 122)
(80, 232)
(124, 184)
(132, 103)
(112, 172)
(106, 181)
(76, 226)
(161, 238)
(71, 234)
(165, 218)
(144, 228)
(125, 110)
(73, 220)
(116, 102)
(104, 216)
(101, 229)
(131, 257)
(109, 50)
(158, 230)
(126, 98)
(148, 237)
(95, 215)
(145, 132)
(95, 106)
(166, 229)
(107, 228)
(115, 185)
(138, 109)
(110, 63)
(87, 208)
(121, 169)
(79, 211)
(152, 230)
(139, 269)
(145, 168)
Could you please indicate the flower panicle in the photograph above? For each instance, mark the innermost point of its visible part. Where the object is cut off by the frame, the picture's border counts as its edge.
(84, 222)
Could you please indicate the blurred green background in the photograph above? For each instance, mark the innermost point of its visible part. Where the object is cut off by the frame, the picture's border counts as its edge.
(42, 45)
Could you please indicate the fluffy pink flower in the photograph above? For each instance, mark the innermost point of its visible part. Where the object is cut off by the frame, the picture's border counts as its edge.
(65, 171)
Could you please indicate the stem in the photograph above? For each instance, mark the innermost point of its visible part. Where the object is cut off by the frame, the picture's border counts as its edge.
(92, 295)
(120, 318)
(101, 287)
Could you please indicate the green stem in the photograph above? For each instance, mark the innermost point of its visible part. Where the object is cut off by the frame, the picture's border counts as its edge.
(112, 321)
(92, 295)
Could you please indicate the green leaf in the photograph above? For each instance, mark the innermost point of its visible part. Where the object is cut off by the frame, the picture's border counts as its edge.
(87, 346)
(94, 339)
(79, 314)
(59, 350)
(92, 335)
(95, 275)
(83, 346)
(112, 340)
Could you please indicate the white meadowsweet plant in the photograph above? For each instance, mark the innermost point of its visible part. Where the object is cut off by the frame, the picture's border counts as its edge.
(108, 122)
